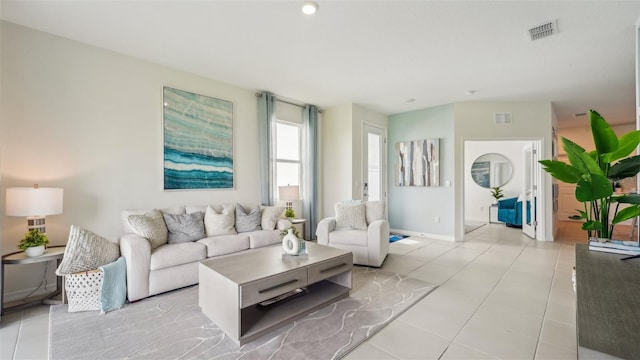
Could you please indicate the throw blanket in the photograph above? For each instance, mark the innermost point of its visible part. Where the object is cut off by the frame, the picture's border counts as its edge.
(114, 285)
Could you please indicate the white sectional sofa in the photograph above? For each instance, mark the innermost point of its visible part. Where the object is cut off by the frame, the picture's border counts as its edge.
(172, 266)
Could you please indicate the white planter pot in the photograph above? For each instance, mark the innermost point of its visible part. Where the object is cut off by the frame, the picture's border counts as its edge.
(35, 251)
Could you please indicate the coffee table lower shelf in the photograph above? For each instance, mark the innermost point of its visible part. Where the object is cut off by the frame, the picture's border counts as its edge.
(257, 321)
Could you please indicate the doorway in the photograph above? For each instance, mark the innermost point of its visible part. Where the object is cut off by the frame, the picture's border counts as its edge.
(374, 184)
(523, 184)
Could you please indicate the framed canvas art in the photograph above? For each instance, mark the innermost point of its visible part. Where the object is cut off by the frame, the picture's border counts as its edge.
(198, 141)
(418, 163)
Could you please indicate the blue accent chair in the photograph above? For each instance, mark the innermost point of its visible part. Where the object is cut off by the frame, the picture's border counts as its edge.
(510, 212)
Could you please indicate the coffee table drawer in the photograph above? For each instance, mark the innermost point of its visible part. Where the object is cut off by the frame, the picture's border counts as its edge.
(330, 268)
(257, 291)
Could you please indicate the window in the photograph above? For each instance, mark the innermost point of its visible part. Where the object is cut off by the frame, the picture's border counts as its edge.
(288, 154)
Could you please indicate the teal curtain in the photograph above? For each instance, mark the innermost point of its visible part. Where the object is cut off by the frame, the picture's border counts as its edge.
(310, 180)
(266, 124)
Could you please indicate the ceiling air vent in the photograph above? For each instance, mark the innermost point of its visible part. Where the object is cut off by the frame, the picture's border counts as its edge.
(543, 30)
(502, 118)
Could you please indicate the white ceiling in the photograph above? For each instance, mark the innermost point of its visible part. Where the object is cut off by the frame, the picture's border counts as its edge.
(377, 54)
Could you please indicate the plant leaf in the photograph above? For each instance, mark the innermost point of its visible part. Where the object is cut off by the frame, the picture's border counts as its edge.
(562, 171)
(628, 199)
(581, 159)
(592, 225)
(604, 137)
(595, 188)
(626, 145)
(626, 214)
(625, 168)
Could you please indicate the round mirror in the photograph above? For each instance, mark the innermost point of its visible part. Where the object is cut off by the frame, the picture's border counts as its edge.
(491, 170)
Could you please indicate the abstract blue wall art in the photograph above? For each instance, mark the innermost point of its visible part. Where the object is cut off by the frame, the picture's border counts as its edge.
(198, 141)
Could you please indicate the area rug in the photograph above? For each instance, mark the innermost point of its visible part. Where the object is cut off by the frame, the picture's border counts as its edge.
(172, 326)
(396, 237)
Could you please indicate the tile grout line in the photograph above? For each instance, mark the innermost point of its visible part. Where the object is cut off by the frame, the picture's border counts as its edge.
(484, 300)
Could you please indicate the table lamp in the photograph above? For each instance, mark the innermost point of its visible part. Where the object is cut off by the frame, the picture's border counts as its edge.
(288, 194)
(35, 203)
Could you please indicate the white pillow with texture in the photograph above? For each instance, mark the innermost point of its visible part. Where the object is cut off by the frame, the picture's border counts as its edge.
(350, 216)
(86, 251)
(270, 216)
(221, 220)
(151, 226)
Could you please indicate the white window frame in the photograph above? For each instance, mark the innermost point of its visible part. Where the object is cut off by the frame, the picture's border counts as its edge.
(287, 161)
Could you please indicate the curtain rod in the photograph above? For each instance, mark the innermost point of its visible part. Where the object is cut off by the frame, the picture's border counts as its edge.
(283, 101)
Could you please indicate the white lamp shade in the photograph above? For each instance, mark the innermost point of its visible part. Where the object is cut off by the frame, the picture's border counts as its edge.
(289, 193)
(31, 201)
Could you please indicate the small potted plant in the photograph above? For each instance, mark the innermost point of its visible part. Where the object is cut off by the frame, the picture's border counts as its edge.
(33, 243)
(289, 213)
(496, 192)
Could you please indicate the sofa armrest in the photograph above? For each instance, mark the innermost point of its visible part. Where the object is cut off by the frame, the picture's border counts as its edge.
(137, 253)
(378, 241)
(325, 226)
(283, 224)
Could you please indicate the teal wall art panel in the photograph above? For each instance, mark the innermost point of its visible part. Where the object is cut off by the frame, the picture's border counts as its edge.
(198, 141)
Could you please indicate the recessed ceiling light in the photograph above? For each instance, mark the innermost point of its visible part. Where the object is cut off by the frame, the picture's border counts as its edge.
(310, 7)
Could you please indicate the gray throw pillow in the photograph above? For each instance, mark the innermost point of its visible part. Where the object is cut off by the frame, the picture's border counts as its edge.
(151, 226)
(247, 221)
(86, 251)
(185, 227)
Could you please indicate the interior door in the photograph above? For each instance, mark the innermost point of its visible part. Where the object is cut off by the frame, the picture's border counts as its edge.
(530, 189)
(374, 172)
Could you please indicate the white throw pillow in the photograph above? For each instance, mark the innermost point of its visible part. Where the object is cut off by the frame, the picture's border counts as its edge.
(151, 226)
(220, 221)
(270, 216)
(350, 216)
(86, 251)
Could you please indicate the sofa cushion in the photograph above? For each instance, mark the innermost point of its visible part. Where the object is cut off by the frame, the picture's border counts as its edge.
(151, 225)
(270, 216)
(125, 215)
(350, 216)
(247, 221)
(184, 227)
(264, 238)
(348, 237)
(225, 244)
(374, 210)
(220, 220)
(86, 251)
(177, 254)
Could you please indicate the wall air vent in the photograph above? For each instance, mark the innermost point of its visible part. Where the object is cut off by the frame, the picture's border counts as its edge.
(543, 30)
(502, 118)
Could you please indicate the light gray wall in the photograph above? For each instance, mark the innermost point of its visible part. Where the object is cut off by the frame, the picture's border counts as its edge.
(414, 209)
(475, 121)
(90, 121)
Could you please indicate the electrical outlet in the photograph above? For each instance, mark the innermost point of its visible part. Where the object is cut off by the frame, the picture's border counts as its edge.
(437, 219)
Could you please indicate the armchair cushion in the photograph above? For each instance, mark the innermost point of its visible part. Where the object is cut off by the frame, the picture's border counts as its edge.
(350, 216)
(349, 237)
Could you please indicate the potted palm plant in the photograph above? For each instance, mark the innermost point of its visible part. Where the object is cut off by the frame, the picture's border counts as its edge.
(33, 243)
(496, 192)
(594, 173)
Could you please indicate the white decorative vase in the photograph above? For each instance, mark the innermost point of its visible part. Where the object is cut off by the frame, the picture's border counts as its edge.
(290, 243)
(35, 251)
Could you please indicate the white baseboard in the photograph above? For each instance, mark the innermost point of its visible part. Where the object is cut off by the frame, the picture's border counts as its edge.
(427, 235)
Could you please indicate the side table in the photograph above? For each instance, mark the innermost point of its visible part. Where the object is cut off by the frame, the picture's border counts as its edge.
(52, 253)
(493, 208)
(299, 224)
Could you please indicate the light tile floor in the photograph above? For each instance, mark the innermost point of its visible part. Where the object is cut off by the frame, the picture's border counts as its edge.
(501, 296)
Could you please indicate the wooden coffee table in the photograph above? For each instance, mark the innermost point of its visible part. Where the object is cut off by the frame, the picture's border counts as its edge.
(235, 290)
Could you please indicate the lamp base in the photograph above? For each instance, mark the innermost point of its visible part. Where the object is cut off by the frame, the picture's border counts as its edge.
(36, 223)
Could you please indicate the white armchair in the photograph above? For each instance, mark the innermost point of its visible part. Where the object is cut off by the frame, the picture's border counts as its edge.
(358, 227)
